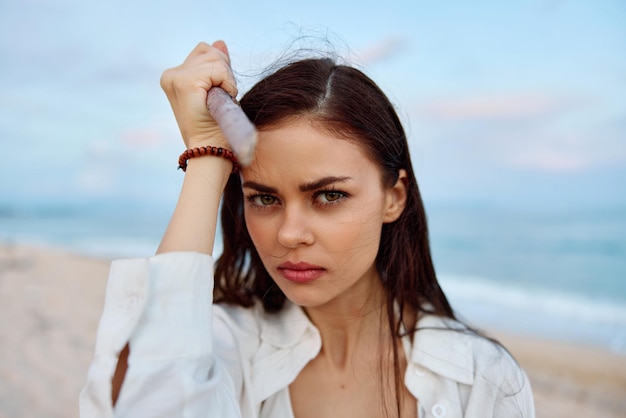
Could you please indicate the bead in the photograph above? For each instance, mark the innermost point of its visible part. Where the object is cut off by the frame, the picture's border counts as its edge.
(209, 150)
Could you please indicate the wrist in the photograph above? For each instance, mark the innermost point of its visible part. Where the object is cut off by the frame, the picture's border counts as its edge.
(208, 163)
(208, 151)
(212, 137)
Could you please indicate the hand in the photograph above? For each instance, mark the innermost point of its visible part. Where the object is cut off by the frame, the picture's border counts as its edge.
(187, 86)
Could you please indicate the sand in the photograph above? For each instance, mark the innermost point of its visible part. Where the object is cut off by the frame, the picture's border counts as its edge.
(50, 302)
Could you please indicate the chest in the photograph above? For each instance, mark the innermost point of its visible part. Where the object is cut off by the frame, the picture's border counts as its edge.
(362, 391)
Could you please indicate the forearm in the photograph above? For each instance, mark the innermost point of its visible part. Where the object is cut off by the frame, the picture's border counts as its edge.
(161, 308)
(193, 224)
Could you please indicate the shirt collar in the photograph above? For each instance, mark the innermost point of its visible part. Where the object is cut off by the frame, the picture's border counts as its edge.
(440, 345)
(287, 328)
(444, 347)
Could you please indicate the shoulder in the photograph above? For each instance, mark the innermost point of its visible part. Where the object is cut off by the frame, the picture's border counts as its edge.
(454, 349)
(485, 369)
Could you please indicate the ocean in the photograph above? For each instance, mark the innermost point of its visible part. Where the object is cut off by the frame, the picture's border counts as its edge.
(554, 274)
(548, 273)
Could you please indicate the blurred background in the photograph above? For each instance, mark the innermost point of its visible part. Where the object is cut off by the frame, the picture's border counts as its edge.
(515, 113)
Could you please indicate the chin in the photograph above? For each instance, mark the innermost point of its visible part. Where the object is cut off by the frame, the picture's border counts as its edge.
(306, 298)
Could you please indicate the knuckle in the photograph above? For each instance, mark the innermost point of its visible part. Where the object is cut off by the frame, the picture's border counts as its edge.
(200, 48)
(221, 69)
(166, 79)
(172, 80)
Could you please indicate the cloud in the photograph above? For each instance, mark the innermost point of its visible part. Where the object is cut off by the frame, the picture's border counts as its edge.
(98, 179)
(142, 137)
(543, 153)
(130, 65)
(531, 132)
(551, 161)
(494, 107)
(380, 51)
(124, 161)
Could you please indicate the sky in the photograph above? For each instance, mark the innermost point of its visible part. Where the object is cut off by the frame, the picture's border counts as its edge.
(516, 103)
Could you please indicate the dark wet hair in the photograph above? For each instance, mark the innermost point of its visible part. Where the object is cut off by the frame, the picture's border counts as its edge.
(348, 104)
(344, 101)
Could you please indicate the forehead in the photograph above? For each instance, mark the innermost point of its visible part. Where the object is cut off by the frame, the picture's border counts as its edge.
(300, 151)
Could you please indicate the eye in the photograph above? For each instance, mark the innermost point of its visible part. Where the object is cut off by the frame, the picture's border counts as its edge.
(329, 197)
(262, 200)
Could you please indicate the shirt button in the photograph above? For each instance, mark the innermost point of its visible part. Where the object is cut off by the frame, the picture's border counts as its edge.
(131, 305)
(418, 372)
(439, 411)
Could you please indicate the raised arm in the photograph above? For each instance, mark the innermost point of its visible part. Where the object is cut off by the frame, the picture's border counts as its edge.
(193, 223)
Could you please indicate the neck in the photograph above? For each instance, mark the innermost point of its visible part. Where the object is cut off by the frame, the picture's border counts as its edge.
(353, 324)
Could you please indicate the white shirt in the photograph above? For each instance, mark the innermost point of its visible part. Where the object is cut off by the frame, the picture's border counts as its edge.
(190, 358)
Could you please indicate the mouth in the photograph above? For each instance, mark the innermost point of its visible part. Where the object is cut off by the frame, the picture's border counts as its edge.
(300, 272)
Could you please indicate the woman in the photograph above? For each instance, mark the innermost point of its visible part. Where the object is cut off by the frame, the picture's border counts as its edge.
(327, 299)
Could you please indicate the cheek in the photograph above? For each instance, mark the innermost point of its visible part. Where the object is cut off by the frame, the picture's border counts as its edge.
(357, 240)
(259, 230)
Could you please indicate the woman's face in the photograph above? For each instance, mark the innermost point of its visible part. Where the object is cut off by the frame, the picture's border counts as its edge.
(314, 207)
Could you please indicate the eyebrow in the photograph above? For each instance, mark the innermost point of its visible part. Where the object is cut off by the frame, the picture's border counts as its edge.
(323, 182)
(259, 187)
(305, 187)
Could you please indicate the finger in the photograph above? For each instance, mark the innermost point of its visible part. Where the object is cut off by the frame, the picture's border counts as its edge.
(201, 48)
(228, 82)
(218, 74)
(205, 76)
(218, 49)
(221, 45)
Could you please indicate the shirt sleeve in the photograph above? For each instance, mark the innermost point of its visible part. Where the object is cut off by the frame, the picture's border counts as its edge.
(162, 307)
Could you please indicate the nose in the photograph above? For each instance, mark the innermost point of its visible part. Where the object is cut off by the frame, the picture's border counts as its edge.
(295, 230)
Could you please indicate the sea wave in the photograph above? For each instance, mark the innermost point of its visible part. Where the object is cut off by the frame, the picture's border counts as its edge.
(538, 311)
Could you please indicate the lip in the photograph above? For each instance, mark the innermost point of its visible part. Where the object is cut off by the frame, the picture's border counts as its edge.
(300, 272)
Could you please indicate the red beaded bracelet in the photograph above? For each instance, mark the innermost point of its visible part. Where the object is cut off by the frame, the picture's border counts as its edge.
(201, 151)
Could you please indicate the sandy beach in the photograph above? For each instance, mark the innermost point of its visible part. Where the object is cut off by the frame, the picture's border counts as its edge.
(50, 302)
